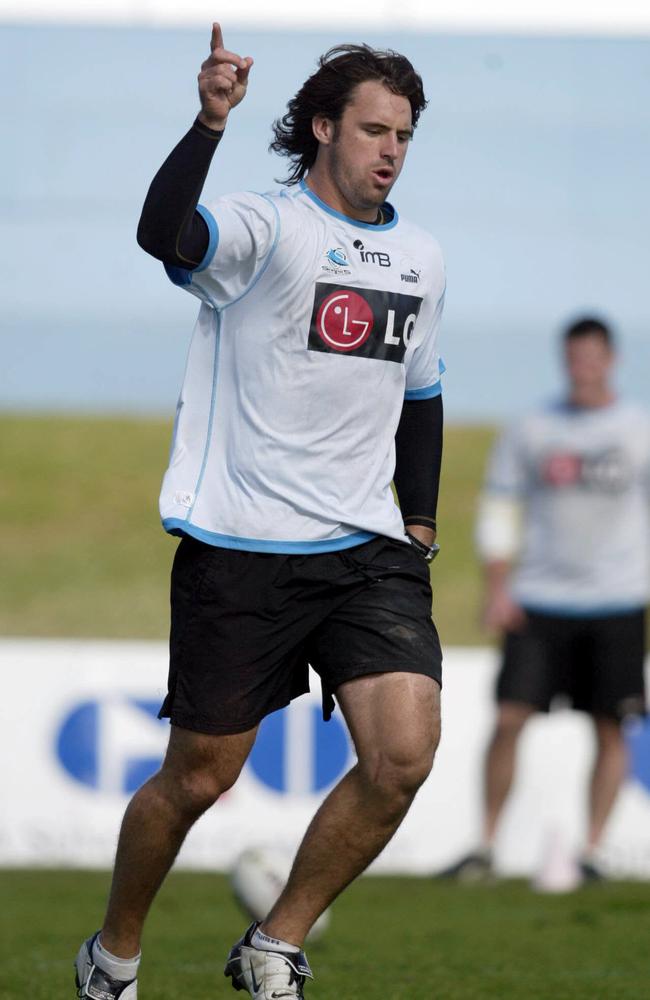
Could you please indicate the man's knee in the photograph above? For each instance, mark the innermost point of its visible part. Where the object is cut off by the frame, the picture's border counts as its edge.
(199, 768)
(194, 781)
(397, 772)
(190, 792)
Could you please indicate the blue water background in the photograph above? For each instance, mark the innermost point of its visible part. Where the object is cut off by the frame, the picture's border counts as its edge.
(531, 166)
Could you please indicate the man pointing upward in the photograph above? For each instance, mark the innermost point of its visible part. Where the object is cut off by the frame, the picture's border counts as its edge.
(312, 382)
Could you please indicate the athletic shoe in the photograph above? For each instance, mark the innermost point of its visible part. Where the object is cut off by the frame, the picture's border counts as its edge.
(471, 869)
(267, 975)
(95, 984)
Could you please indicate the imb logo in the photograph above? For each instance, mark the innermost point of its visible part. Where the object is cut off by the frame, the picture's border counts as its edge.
(371, 256)
(364, 323)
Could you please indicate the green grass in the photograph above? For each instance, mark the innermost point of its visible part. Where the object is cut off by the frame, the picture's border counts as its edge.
(455, 573)
(83, 551)
(390, 939)
(82, 548)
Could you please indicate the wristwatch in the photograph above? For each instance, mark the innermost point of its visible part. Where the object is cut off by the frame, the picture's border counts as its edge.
(428, 552)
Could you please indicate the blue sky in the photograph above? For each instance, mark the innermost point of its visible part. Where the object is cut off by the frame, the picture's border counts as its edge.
(530, 166)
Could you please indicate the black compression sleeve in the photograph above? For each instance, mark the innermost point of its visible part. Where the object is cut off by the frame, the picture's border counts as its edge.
(170, 228)
(418, 447)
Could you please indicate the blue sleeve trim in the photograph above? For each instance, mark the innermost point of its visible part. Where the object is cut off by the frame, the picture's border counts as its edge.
(178, 275)
(176, 526)
(429, 392)
(213, 230)
(182, 276)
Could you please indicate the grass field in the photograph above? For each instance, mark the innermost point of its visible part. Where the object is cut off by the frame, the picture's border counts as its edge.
(390, 939)
(84, 554)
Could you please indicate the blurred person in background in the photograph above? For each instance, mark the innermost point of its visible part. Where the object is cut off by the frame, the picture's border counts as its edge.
(313, 381)
(563, 532)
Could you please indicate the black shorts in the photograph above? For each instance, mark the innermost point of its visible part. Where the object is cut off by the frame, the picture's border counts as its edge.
(246, 625)
(593, 664)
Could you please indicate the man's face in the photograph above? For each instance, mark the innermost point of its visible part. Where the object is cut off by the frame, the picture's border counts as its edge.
(368, 145)
(589, 362)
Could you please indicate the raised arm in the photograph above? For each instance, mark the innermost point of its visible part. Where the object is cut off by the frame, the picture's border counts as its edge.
(170, 228)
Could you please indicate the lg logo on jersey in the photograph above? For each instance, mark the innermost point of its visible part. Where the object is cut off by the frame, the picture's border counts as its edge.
(344, 321)
(362, 323)
(603, 472)
(371, 256)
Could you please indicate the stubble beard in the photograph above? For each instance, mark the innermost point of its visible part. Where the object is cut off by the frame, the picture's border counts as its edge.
(360, 196)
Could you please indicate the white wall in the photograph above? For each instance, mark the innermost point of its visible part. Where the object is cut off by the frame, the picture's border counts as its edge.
(78, 730)
(535, 16)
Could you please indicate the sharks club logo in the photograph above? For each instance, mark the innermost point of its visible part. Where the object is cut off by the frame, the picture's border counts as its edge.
(336, 261)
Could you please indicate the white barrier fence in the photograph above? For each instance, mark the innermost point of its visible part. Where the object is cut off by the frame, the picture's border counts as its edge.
(79, 733)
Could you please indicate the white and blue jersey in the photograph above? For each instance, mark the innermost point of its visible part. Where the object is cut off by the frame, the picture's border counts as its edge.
(582, 476)
(313, 329)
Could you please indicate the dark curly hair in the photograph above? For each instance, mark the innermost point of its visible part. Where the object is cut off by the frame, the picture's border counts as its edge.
(329, 90)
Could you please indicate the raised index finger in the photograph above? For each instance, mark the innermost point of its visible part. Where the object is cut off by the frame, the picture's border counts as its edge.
(223, 56)
(216, 42)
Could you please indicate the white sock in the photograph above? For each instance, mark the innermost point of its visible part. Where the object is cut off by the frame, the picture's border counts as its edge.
(265, 943)
(124, 969)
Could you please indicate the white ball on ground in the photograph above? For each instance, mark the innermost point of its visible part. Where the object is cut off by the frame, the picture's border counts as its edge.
(257, 878)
